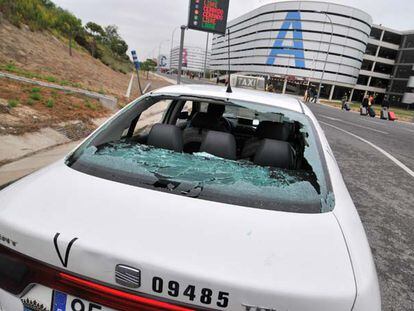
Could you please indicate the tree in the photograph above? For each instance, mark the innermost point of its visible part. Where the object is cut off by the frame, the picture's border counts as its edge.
(95, 30)
(114, 40)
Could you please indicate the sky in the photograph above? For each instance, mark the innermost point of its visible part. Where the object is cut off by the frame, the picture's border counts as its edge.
(148, 25)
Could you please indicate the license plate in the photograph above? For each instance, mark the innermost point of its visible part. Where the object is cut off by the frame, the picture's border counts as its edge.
(65, 302)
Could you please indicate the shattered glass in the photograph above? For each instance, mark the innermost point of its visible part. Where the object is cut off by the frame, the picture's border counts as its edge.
(205, 171)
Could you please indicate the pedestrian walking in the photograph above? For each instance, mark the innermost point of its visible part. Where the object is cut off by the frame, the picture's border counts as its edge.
(314, 96)
(270, 87)
(306, 96)
(344, 102)
(363, 110)
(371, 110)
(385, 105)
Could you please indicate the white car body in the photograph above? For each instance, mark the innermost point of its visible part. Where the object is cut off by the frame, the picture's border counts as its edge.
(264, 259)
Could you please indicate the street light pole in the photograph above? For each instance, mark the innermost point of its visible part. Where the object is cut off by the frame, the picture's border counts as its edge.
(172, 45)
(180, 56)
(205, 56)
(326, 57)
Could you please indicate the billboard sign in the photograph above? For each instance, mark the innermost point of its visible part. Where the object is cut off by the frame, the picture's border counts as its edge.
(185, 58)
(163, 62)
(208, 15)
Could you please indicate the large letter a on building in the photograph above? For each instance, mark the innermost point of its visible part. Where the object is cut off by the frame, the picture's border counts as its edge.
(292, 19)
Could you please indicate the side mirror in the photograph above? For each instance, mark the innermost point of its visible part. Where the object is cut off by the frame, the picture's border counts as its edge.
(183, 115)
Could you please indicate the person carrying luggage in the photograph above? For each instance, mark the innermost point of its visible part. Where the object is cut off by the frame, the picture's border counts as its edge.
(345, 104)
(385, 105)
(364, 106)
(371, 110)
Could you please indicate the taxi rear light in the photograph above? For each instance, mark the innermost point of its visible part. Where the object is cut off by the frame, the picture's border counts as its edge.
(18, 272)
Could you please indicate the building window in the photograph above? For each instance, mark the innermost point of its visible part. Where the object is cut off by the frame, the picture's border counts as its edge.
(404, 71)
(409, 41)
(367, 65)
(371, 49)
(383, 68)
(378, 82)
(407, 57)
(362, 80)
(387, 53)
(340, 91)
(399, 86)
(392, 38)
(375, 33)
(358, 95)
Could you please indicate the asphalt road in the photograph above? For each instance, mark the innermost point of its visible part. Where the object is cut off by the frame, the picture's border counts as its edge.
(382, 190)
(383, 193)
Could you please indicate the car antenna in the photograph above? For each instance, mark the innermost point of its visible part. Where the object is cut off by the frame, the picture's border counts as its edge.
(229, 90)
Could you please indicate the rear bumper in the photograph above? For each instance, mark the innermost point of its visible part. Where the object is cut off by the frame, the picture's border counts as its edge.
(8, 302)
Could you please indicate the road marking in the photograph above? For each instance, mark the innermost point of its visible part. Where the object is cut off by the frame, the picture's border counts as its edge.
(128, 92)
(390, 123)
(389, 156)
(353, 124)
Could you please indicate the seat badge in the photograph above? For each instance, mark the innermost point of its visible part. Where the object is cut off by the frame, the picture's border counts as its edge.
(128, 276)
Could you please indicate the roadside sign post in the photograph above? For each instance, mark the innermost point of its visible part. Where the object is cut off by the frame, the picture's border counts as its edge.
(205, 56)
(204, 15)
(136, 64)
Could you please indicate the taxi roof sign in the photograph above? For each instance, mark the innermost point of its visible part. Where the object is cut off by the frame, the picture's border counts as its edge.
(208, 15)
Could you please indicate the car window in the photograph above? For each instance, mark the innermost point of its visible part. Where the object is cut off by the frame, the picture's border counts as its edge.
(245, 180)
(151, 116)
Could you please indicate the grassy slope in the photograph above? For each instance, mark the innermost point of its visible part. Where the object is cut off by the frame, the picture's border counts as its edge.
(44, 56)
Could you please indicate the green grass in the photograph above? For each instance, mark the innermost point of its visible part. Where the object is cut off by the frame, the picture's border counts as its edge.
(35, 96)
(51, 79)
(90, 105)
(35, 90)
(13, 103)
(50, 103)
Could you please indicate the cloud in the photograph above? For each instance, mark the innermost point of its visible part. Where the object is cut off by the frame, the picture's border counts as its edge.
(144, 24)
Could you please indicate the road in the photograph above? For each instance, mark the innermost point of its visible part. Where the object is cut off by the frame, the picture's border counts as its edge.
(376, 158)
(383, 192)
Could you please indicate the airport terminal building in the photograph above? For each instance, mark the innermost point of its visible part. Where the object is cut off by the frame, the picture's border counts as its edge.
(295, 43)
(193, 59)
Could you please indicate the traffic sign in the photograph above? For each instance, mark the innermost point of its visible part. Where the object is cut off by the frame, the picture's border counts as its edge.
(135, 59)
(208, 15)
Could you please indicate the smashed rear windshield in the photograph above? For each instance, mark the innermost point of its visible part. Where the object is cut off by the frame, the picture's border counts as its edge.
(125, 152)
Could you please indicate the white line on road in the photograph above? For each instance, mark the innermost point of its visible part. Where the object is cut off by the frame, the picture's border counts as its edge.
(128, 92)
(353, 124)
(391, 157)
(387, 123)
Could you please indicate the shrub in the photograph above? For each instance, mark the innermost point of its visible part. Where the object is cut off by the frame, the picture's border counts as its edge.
(13, 103)
(30, 102)
(90, 105)
(50, 79)
(35, 90)
(35, 96)
(50, 103)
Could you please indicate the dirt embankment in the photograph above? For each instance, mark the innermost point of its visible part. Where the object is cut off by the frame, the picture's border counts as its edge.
(42, 53)
(28, 108)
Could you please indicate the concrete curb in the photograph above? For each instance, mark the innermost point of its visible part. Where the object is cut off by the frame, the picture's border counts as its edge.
(109, 102)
